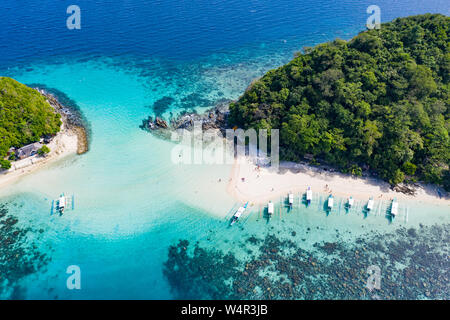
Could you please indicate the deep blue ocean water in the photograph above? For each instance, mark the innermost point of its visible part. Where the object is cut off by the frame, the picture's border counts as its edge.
(130, 58)
(183, 30)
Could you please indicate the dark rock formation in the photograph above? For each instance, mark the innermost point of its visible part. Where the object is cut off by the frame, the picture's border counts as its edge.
(214, 118)
(406, 189)
(160, 123)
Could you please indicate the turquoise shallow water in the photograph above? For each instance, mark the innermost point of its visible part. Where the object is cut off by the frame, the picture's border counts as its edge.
(120, 248)
(131, 201)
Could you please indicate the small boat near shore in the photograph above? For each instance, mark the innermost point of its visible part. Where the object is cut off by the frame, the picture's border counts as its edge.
(308, 196)
(62, 204)
(291, 200)
(330, 202)
(270, 209)
(394, 207)
(370, 204)
(350, 202)
(238, 214)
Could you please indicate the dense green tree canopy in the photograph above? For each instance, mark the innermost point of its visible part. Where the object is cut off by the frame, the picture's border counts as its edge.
(380, 99)
(25, 116)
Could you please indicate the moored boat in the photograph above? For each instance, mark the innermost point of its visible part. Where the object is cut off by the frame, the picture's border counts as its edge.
(308, 196)
(394, 207)
(270, 209)
(330, 202)
(238, 214)
(350, 202)
(291, 200)
(370, 204)
(61, 205)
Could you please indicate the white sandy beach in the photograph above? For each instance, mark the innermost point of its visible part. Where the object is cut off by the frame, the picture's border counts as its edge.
(64, 144)
(248, 183)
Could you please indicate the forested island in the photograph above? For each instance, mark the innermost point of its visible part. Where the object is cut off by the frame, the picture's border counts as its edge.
(377, 102)
(35, 126)
(25, 117)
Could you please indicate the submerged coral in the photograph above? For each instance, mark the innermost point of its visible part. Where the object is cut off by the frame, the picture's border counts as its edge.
(414, 264)
(19, 257)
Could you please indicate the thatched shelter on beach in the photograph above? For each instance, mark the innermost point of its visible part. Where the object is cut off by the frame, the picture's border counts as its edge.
(28, 150)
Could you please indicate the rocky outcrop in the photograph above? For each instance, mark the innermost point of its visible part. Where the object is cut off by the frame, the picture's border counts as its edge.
(214, 118)
(72, 120)
(160, 123)
(406, 189)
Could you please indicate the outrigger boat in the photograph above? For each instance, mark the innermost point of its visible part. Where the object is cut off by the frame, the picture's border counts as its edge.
(238, 214)
(308, 196)
(63, 204)
(370, 204)
(330, 202)
(394, 207)
(350, 202)
(291, 200)
(270, 209)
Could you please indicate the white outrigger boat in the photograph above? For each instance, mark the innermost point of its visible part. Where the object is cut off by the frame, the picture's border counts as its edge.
(350, 202)
(63, 203)
(291, 200)
(330, 202)
(238, 214)
(308, 196)
(394, 207)
(270, 209)
(370, 204)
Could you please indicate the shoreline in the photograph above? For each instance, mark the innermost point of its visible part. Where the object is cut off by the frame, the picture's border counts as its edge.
(262, 185)
(71, 122)
(70, 140)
